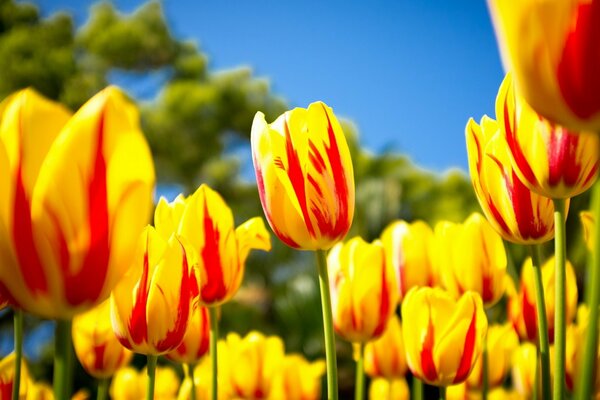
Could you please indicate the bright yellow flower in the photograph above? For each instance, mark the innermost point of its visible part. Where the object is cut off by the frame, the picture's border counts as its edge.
(516, 213)
(96, 346)
(304, 175)
(127, 384)
(150, 306)
(549, 159)
(471, 257)
(76, 192)
(396, 389)
(408, 250)
(208, 227)
(166, 383)
(363, 289)
(461, 392)
(41, 391)
(203, 380)
(444, 336)
(384, 356)
(588, 221)
(551, 46)
(7, 378)
(524, 362)
(298, 379)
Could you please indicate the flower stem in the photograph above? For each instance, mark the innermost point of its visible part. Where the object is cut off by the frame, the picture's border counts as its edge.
(442, 392)
(62, 359)
(190, 373)
(560, 298)
(151, 371)
(103, 389)
(484, 370)
(586, 382)
(542, 320)
(214, 337)
(330, 356)
(359, 393)
(417, 388)
(18, 326)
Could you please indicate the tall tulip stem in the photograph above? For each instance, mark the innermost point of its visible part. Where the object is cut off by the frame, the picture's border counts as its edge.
(190, 373)
(62, 359)
(417, 388)
(18, 326)
(151, 371)
(359, 392)
(103, 389)
(587, 378)
(442, 392)
(542, 321)
(214, 337)
(330, 355)
(560, 298)
(484, 370)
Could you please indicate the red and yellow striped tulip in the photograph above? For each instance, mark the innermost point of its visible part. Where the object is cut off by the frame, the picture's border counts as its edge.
(524, 367)
(298, 379)
(7, 378)
(127, 384)
(96, 346)
(196, 339)
(522, 309)
(385, 356)
(208, 227)
(396, 389)
(305, 177)
(516, 213)
(549, 159)
(363, 289)
(408, 250)
(444, 336)
(551, 47)
(76, 193)
(472, 258)
(159, 285)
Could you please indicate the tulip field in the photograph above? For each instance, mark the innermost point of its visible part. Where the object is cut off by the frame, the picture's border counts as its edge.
(196, 294)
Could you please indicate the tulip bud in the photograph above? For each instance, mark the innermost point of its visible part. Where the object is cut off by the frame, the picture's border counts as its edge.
(298, 379)
(396, 389)
(524, 369)
(127, 384)
(7, 378)
(384, 356)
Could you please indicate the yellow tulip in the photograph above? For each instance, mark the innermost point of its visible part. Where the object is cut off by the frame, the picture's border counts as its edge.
(127, 384)
(524, 362)
(96, 346)
(7, 378)
(396, 389)
(208, 227)
(444, 336)
(521, 306)
(305, 177)
(549, 159)
(516, 213)
(150, 306)
(42, 391)
(76, 193)
(298, 379)
(166, 383)
(472, 258)
(203, 380)
(461, 392)
(384, 356)
(588, 221)
(408, 250)
(502, 340)
(363, 289)
(551, 46)
(167, 216)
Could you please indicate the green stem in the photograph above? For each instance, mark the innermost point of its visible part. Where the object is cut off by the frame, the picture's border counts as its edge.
(151, 371)
(18, 326)
(417, 388)
(190, 373)
(62, 357)
(588, 377)
(484, 370)
(359, 393)
(103, 389)
(536, 379)
(330, 356)
(542, 320)
(560, 278)
(442, 392)
(214, 337)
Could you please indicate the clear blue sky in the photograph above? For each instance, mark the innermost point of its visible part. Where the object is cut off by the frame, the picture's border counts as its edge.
(409, 73)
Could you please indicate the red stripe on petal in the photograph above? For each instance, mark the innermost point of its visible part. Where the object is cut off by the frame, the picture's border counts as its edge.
(529, 315)
(384, 308)
(427, 363)
(99, 351)
(214, 288)
(466, 361)
(138, 324)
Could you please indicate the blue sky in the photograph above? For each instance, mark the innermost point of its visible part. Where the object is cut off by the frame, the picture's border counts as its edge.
(408, 73)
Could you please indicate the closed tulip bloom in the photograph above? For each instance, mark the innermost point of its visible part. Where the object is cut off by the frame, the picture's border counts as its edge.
(521, 306)
(524, 368)
(304, 175)
(444, 336)
(396, 389)
(96, 346)
(474, 258)
(516, 213)
(298, 379)
(549, 159)
(408, 250)
(7, 378)
(76, 193)
(196, 339)
(385, 356)
(208, 227)
(167, 216)
(363, 289)
(551, 46)
(127, 384)
(150, 306)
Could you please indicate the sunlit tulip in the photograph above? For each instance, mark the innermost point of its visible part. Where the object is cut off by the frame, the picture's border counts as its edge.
(517, 214)
(203, 383)
(298, 379)
(166, 385)
(408, 250)
(472, 258)
(208, 227)
(551, 46)
(457, 392)
(150, 306)
(127, 384)
(444, 336)
(363, 289)
(96, 346)
(588, 221)
(549, 159)
(396, 389)
(524, 362)
(502, 340)
(167, 216)
(521, 307)
(42, 391)
(196, 339)
(7, 378)
(384, 356)
(76, 192)
(304, 175)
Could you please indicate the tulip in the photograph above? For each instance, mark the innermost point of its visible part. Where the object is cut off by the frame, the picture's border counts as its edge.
(473, 259)
(167, 216)
(461, 392)
(396, 389)
(524, 368)
(167, 383)
(195, 341)
(384, 356)
(202, 381)
(408, 250)
(67, 237)
(7, 378)
(43, 391)
(127, 385)
(445, 336)
(298, 379)
(588, 221)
